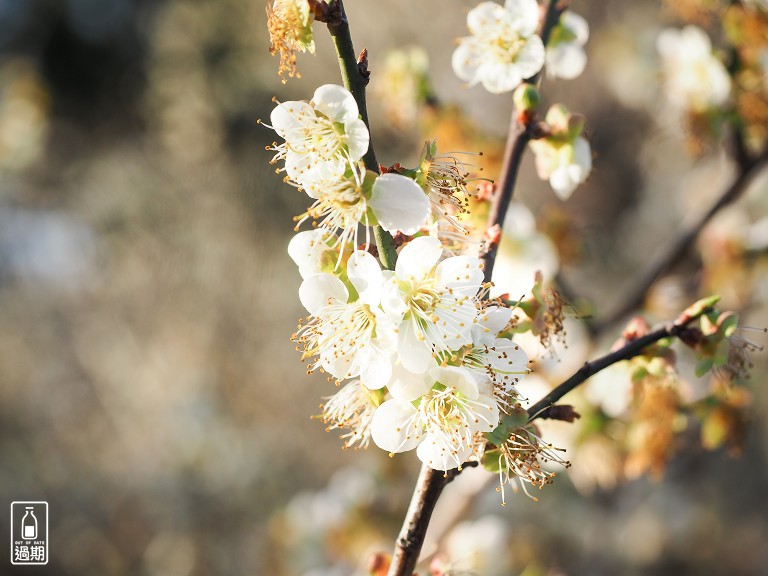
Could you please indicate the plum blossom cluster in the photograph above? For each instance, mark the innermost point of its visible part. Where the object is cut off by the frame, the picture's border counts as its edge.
(504, 51)
(428, 364)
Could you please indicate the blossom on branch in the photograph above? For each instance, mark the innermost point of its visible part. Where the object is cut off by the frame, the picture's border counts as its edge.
(503, 49)
(565, 50)
(564, 157)
(695, 79)
(323, 137)
(433, 303)
(441, 413)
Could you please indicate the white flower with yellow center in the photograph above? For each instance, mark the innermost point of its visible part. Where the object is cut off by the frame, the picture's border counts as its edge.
(500, 361)
(323, 137)
(565, 50)
(433, 304)
(695, 80)
(441, 413)
(503, 49)
(349, 334)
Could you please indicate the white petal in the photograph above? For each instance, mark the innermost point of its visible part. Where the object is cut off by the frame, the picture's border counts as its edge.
(408, 386)
(364, 272)
(392, 300)
(531, 57)
(582, 156)
(376, 370)
(400, 205)
(415, 353)
(486, 413)
(455, 377)
(525, 14)
(463, 274)
(500, 77)
(454, 321)
(566, 61)
(576, 25)
(418, 258)
(336, 102)
(395, 426)
(485, 18)
(466, 61)
(490, 322)
(357, 139)
(563, 182)
(319, 290)
(438, 454)
(306, 249)
(507, 356)
(285, 117)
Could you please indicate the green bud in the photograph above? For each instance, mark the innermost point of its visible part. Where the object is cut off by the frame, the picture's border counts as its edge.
(526, 98)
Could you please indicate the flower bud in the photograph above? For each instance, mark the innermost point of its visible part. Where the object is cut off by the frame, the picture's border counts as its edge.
(526, 98)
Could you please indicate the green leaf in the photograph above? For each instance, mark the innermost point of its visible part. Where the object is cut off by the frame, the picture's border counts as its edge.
(490, 461)
(703, 365)
(509, 423)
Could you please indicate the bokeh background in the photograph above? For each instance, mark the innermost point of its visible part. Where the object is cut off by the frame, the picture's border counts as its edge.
(148, 388)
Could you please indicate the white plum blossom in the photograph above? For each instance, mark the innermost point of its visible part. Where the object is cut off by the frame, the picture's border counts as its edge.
(565, 50)
(695, 80)
(351, 337)
(564, 157)
(351, 409)
(433, 303)
(323, 137)
(441, 413)
(522, 252)
(394, 202)
(503, 49)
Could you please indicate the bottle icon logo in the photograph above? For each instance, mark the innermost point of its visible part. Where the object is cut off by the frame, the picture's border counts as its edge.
(29, 533)
(29, 524)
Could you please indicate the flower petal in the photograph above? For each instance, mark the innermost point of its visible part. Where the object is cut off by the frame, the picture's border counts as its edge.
(415, 353)
(286, 117)
(376, 369)
(531, 57)
(524, 15)
(357, 138)
(489, 323)
(439, 454)
(395, 426)
(485, 17)
(576, 25)
(408, 386)
(417, 258)
(399, 204)
(306, 250)
(466, 61)
(365, 274)
(456, 377)
(392, 300)
(335, 102)
(320, 290)
(566, 61)
(463, 274)
(500, 77)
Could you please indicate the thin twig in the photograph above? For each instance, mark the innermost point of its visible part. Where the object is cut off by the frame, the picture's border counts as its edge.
(749, 167)
(631, 349)
(521, 131)
(354, 75)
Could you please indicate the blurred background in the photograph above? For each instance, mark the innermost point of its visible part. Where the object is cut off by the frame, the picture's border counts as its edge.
(148, 388)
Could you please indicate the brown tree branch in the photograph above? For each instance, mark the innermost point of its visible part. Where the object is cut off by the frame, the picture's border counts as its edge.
(355, 76)
(748, 168)
(430, 482)
(629, 350)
